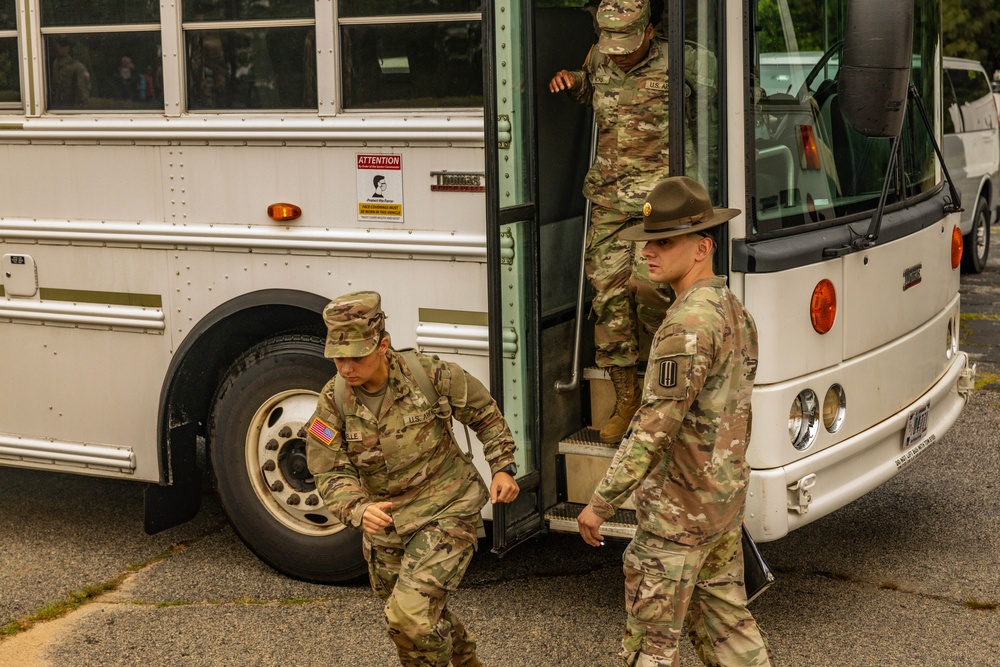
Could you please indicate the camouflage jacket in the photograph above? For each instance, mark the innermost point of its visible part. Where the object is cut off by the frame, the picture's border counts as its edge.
(685, 452)
(407, 455)
(631, 110)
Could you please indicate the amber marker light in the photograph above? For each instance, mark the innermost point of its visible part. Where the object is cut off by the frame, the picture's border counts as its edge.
(956, 247)
(283, 212)
(823, 307)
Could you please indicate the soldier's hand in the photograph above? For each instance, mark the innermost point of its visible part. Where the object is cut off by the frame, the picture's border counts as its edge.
(503, 488)
(376, 517)
(563, 80)
(590, 527)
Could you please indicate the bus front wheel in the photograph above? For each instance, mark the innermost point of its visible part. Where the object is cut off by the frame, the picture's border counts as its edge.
(258, 453)
(976, 243)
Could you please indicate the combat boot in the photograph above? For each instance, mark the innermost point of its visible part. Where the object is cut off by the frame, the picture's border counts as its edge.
(627, 395)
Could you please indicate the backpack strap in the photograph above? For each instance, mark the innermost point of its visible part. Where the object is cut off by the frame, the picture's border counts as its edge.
(411, 361)
(409, 356)
(339, 385)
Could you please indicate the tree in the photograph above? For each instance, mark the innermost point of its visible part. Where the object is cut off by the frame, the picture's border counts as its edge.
(970, 31)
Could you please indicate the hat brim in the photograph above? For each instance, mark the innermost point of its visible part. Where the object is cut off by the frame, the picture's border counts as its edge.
(339, 349)
(620, 44)
(639, 233)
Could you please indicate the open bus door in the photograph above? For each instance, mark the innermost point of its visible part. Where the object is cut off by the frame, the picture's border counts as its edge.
(512, 249)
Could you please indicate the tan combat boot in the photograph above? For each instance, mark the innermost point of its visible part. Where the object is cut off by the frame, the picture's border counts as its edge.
(627, 395)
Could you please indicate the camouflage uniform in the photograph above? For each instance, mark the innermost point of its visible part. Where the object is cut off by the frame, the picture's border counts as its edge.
(632, 156)
(685, 459)
(408, 455)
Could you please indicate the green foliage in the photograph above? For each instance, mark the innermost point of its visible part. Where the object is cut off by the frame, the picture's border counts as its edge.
(971, 29)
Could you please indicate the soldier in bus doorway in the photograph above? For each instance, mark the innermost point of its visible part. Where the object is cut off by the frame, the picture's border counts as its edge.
(624, 77)
(684, 456)
(386, 461)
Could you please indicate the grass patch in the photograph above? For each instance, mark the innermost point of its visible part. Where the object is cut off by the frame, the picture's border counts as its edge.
(62, 607)
(297, 601)
(173, 603)
(981, 605)
(979, 316)
(983, 379)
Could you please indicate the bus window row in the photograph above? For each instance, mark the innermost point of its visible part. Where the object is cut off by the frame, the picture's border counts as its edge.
(106, 56)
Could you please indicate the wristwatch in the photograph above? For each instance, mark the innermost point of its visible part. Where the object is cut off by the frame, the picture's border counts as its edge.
(510, 469)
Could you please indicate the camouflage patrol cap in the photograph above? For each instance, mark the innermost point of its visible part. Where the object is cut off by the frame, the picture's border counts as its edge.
(355, 323)
(676, 206)
(622, 24)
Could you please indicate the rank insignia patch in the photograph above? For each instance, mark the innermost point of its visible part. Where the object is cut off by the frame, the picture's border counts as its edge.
(323, 432)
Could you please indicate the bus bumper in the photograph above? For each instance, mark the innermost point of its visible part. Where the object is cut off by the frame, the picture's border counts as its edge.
(779, 500)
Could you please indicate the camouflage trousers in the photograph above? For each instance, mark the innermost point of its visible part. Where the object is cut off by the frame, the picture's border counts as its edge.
(414, 579)
(669, 584)
(625, 298)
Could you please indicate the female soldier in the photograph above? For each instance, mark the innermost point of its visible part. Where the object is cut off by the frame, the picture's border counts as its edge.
(385, 460)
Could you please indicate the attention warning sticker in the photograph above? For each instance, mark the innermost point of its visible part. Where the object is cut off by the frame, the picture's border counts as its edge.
(380, 188)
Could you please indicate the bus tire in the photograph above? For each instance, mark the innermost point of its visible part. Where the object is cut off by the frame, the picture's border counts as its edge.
(257, 452)
(976, 244)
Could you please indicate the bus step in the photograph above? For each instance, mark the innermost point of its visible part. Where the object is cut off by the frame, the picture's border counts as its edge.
(587, 442)
(586, 459)
(562, 519)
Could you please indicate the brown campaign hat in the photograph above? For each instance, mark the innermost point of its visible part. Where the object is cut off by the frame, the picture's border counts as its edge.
(678, 205)
(623, 25)
(355, 323)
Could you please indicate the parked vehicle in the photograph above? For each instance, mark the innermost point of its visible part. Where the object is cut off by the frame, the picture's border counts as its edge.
(971, 149)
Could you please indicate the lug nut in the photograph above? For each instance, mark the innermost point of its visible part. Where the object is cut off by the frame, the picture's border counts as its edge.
(285, 432)
(312, 500)
(293, 499)
(268, 466)
(277, 486)
(271, 445)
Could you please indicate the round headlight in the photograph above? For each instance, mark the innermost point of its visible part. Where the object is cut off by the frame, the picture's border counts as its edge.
(803, 419)
(834, 408)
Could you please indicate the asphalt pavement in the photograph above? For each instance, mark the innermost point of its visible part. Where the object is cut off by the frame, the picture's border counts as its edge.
(907, 575)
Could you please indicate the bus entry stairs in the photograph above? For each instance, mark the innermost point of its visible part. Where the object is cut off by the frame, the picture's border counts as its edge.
(586, 459)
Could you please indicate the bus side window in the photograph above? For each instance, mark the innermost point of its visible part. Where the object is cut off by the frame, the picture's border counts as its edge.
(10, 72)
(428, 59)
(232, 66)
(115, 69)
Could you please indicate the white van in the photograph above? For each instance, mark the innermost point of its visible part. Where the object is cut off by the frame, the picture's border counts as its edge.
(972, 152)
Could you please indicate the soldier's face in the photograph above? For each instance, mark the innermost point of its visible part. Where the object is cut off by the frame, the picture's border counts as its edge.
(369, 371)
(627, 61)
(669, 260)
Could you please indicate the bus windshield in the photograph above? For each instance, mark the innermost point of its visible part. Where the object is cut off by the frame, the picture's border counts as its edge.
(812, 168)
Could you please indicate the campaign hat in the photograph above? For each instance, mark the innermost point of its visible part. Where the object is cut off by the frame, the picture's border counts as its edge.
(677, 205)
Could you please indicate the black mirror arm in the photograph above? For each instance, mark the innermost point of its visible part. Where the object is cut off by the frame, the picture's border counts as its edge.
(956, 198)
(868, 240)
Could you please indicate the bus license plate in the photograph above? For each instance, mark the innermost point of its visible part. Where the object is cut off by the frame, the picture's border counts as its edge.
(916, 425)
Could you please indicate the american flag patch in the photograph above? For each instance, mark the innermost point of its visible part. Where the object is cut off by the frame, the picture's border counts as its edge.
(322, 431)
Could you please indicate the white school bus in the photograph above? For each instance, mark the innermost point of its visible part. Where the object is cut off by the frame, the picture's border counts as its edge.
(184, 186)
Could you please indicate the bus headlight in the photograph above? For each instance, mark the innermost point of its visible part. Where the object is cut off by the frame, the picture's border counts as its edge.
(834, 408)
(803, 419)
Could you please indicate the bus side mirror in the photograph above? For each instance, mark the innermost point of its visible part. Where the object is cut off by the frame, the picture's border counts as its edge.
(875, 65)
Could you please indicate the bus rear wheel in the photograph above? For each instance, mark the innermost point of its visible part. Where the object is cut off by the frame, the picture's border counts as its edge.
(258, 453)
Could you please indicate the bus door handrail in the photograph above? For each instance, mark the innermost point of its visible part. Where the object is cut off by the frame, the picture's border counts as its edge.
(574, 379)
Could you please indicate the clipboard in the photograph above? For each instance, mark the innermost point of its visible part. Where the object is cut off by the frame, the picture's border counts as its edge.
(757, 574)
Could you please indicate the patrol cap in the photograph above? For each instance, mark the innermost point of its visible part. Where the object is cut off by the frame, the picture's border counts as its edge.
(676, 206)
(622, 24)
(355, 323)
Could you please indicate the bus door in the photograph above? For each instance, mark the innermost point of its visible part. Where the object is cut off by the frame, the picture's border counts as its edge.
(512, 249)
